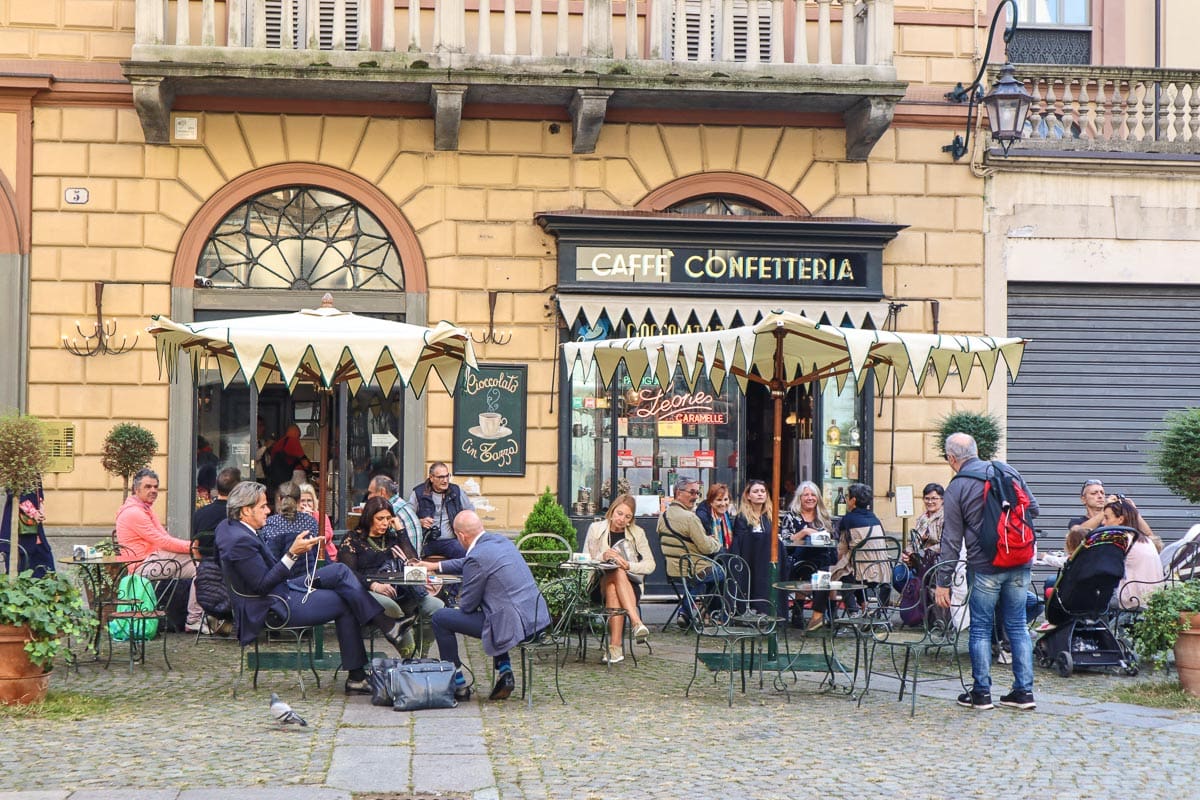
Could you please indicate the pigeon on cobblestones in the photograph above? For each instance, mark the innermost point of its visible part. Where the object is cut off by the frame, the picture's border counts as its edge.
(283, 713)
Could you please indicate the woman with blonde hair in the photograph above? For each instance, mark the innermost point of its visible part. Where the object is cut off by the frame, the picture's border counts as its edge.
(752, 532)
(617, 540)
(308, 505)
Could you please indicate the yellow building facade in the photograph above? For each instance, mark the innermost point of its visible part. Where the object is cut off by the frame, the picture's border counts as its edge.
(81, 117)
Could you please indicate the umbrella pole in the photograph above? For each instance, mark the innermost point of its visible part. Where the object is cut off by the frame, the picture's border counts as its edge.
(323, 477)
(778, 390)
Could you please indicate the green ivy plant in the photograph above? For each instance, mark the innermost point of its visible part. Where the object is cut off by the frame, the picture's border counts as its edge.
(51, 606)
(1155, 632)
(127, 448)
(1176, 460)
(984, 428)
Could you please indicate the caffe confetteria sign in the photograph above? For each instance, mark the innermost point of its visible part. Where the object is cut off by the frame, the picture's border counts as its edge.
(489, 420)
(697, 266)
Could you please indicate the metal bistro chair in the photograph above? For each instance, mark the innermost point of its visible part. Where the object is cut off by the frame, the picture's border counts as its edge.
(140, 612)
(939, 631)
(674, 582)
(301, 636)
(872, 562)
(562, 597)
(711, 589)
(5, 549)
(543, 552)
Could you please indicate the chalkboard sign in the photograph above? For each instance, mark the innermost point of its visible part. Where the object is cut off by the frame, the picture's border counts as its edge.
(489, 420)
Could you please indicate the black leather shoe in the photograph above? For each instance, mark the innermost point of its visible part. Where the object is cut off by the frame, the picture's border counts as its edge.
(462, 692)
(504, 687)
(395, 636)
(358, 687)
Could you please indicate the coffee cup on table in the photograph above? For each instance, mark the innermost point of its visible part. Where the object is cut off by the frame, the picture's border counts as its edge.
(490, 423)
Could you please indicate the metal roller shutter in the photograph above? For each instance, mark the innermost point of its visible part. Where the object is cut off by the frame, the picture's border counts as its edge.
(1106, 363)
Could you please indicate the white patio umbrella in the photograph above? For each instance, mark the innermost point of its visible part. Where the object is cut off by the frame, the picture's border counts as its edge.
(321, 347)
(786, 349)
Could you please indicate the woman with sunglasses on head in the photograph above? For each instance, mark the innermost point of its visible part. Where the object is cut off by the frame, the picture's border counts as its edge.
(805, 515)
(1143, 569)
(616, 539)
(377, 545)
(752, 532)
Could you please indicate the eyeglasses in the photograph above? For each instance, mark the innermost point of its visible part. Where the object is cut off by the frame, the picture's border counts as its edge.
(932, 498)
(691, 491)
(441, 477)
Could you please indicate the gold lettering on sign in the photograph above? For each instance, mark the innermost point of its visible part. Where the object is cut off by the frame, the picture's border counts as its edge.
(473, 384)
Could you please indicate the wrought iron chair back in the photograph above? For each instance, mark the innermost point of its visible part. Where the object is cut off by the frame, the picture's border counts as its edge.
(940, 630)
(276, 625)
(6, 548)
(873, 562)
(562, 598)
(543, 552)
(131, 614)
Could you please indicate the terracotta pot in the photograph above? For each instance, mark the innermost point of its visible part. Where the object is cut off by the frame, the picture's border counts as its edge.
(20, 681)
(1187, 656)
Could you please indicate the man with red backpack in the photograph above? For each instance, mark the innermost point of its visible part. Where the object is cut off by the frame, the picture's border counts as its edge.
(990, 508)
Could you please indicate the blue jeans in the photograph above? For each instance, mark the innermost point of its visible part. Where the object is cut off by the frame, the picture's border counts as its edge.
(1004, 591)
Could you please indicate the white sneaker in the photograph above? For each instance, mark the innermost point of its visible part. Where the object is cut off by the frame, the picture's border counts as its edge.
(613, 656)
(640, 633)
(1004, 657)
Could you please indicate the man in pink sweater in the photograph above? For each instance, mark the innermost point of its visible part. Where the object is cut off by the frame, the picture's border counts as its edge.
(142, 536)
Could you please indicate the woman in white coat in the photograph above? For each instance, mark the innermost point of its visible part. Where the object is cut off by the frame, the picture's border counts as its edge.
(617, 540)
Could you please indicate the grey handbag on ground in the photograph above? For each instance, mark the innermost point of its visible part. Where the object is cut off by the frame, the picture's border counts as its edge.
(422, 683)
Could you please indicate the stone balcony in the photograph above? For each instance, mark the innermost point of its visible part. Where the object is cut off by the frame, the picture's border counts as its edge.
(1108, 113)
(817, 62)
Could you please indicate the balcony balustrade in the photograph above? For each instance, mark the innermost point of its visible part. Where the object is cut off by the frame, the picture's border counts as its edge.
(589, 57)
(1118, 112)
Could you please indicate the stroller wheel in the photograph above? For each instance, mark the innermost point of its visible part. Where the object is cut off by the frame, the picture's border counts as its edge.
(1065, 664)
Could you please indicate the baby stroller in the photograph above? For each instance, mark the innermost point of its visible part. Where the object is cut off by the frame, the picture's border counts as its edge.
(1079, 609)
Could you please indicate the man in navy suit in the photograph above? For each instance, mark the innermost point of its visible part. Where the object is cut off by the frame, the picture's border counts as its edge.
(498, 602)
(262, 589)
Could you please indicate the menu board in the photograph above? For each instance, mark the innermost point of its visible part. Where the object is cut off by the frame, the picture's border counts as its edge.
(489, 420)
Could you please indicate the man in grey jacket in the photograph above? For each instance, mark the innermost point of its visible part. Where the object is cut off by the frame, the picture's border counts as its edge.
(992, 588)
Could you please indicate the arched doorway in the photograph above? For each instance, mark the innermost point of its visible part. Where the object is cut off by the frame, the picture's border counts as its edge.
(276, 241)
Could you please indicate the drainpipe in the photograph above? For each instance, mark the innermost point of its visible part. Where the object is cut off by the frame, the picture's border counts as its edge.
(1157, 63)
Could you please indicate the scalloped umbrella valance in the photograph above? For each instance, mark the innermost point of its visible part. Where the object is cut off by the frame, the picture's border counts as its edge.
(786, 349)
(321, 346)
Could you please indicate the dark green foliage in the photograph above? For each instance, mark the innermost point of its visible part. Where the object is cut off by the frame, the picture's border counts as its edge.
(53, 609)
(1176, 461)
(984, 428)
(127, 448)
(548, 516)
(1155, 632)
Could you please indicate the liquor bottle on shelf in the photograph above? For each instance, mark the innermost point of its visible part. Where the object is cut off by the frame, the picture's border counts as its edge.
(833, 435)
(855, 435)
(838, 468)
(671, 474)
(839, 505)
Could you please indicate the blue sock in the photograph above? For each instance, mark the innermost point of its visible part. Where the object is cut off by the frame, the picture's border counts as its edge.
(503, 665)
(459, 680)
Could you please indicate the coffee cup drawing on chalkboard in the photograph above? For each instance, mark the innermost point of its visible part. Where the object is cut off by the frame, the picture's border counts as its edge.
(491, 426)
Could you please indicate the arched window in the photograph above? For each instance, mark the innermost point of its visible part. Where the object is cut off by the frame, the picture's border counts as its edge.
(722, 205)
(298, 238)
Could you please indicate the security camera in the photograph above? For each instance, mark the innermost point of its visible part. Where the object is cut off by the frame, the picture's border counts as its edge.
(201, 282)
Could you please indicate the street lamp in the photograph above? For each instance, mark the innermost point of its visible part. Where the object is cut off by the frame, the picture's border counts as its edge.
(1007, 103)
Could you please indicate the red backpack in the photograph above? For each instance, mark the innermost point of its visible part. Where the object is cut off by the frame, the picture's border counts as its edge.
(1006, 531)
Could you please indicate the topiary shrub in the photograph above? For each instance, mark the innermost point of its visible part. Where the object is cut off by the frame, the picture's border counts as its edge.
(127, 448)
(547, 516)
(24, 456)
(984, 428)
(1176, 460)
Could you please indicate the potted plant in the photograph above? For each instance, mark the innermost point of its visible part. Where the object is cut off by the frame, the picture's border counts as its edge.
(1176, 460)
(127, 448)
(1171, 622)
(34, 612)
(546, 516)
(983, 428)
(35, 616)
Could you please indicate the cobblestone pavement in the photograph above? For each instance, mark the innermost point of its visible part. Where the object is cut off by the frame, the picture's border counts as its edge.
(625, 732)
